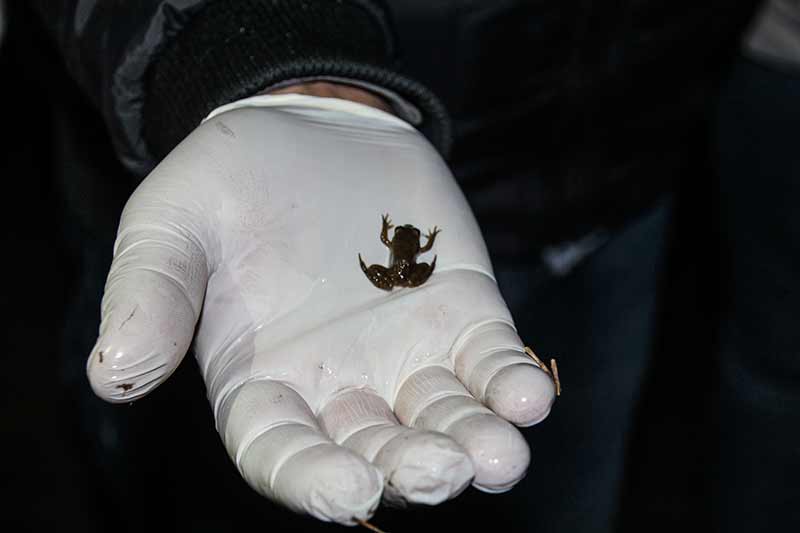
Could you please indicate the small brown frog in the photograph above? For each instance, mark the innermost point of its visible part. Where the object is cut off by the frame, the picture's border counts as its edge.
(404, 271)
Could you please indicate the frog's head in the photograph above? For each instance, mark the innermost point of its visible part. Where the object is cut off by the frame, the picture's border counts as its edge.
(407, 231)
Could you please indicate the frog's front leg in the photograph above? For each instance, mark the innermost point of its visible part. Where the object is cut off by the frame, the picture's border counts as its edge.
(385, 227)
(380, 276)
(420, 273)
(431, 237)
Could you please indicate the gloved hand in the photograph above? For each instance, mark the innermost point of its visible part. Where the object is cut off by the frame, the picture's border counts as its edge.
(327, 391)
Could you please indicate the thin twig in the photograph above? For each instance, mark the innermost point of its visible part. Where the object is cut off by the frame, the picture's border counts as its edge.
(365, 524)
(555, 376)
(538, 361)
(553, 373)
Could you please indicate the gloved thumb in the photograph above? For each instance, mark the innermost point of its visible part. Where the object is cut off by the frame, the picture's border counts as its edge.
(152, 300)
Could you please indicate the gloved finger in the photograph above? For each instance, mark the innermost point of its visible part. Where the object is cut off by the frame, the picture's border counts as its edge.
(493, 365)
(433, 398)
(280, 449)
(418, 466)
(153, 297)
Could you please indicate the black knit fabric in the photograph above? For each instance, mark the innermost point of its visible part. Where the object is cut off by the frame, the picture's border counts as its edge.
(232, 49)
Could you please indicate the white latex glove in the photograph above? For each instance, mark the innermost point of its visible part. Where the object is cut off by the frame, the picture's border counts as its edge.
(246, 238)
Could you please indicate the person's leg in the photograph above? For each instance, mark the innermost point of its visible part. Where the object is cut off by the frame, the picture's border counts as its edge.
(598, 322)
(758, 146)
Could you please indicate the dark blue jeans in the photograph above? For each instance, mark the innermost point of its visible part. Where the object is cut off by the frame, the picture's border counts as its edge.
(758, 153)
(598, 321)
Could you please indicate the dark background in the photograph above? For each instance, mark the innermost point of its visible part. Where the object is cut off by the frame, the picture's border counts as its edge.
(161, 458)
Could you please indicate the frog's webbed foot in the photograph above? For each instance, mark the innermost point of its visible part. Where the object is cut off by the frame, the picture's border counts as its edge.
(385, 227)
(379, 275)
(420, 273)
(431, 236)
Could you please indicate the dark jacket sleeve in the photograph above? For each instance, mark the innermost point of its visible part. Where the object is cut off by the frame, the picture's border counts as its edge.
(156, 68)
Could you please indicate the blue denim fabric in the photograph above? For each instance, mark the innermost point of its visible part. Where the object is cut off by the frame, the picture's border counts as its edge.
(598, 321)
(758, 156)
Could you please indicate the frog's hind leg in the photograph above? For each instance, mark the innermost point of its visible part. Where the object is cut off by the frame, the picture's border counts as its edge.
(420, 273)
(380, 276)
